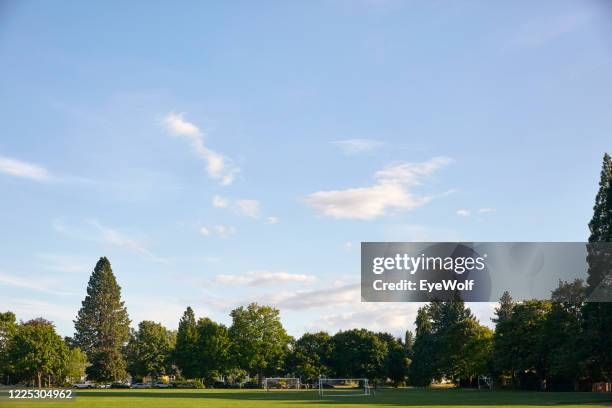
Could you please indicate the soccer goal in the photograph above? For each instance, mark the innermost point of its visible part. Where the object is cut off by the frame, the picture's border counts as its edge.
(484, 382)
(343, 387)
(278, 383)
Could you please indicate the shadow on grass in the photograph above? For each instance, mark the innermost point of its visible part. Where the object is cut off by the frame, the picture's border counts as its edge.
(389, 397)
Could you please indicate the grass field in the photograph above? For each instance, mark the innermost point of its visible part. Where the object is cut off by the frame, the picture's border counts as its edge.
(280, 399)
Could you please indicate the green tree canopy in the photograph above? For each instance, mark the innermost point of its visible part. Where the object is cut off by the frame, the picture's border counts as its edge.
(259, 339)
(311, 355)
(213, 349)
(185, 353)
(102, 325)
(149, 348)
(358, 353)
(37, 352)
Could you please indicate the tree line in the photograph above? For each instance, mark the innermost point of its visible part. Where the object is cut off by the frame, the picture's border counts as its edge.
(561, 344)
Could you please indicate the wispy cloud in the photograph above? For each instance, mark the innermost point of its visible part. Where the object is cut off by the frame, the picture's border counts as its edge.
(18, 168)
(272, 220)
(218, 166)
(221, 231)
(318, 298)
(391, 192)
(541, 32)
(387, 317)
(462, 212)
(264, 278)
(66, 263)
(248, 208)
(31, 283)
(94, 230)
(244, 207)
(486, 210)
(356, 146)
(220, 202)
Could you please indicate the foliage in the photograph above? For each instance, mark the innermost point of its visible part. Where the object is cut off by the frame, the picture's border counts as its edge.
(8, 326)
(311, 356)
(358, 353)
(148, 351)
(102, 325)
(185, 352)
(259, 340)
(213, 348)
(421, 369)
(37, 352)
(76, 364)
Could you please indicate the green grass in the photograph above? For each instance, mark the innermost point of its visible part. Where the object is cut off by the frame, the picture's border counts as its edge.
(310, 399)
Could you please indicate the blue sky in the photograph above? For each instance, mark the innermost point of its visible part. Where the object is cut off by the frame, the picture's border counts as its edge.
(221, 153)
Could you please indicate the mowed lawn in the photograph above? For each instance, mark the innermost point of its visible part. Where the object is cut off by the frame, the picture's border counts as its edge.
(279, 399)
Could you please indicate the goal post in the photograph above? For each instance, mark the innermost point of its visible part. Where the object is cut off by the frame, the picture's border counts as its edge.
(280, 383)
(343, 387)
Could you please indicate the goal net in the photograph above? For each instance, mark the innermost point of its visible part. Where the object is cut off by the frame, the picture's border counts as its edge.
(484, 382)
(343, 386)
(277, 383)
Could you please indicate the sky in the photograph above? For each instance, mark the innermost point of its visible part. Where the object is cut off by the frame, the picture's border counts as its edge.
(222, 153)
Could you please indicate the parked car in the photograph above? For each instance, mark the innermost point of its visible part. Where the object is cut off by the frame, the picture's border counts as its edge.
(161, 384)
(185, 385)
(84, 385)
(141, 385)
(120, 385)
(103, 386)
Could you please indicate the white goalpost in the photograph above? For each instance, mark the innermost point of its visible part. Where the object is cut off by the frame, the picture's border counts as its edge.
(343, 387)
(484, 382)
(279, 383)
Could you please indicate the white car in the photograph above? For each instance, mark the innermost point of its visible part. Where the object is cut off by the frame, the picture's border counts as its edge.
(141, 385)
(161, 384)
(84, 385)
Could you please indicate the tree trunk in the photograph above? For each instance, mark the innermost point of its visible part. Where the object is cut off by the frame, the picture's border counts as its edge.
(39, 376)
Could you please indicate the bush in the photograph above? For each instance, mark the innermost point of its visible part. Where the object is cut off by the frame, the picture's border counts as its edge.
(188, 384)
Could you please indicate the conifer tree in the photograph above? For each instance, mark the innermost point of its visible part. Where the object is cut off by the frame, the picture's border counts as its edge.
(185, 351)
(102, 325)
(421, 369)
(597, 316)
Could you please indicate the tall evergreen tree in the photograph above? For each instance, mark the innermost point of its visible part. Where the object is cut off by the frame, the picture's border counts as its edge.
(421, 369)
(504, 360)
(186, 349)
(102, 325)
(597, 317)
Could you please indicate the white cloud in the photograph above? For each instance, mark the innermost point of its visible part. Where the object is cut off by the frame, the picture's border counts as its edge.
(66, 263)
(356, 146)
(462, 212)
(218, 166)
(26, 309)
(220, 202)
(327, 297)
(272, 220)
(120, 239)
(387, 317)
(18, 168)
(249, 208)
(538, 33)
(486, 210)
(245, 207)
(348, 246)
(220, 230)
(31, 283)
(262, 278)
(391, 192)
(95, 231)
(411, 174)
